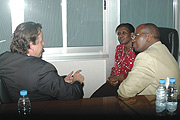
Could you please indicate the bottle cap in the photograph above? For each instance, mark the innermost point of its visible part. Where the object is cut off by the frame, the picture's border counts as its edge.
(172, 80)
(23, 92)
(162, 81)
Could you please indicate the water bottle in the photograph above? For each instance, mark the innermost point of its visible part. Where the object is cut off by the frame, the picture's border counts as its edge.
(24, 104)
(172, 93)
(161, 98)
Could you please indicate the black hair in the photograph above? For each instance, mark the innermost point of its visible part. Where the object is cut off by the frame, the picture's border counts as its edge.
(128, 25)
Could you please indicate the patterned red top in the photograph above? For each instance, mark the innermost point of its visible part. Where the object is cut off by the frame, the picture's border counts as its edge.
(123, 61)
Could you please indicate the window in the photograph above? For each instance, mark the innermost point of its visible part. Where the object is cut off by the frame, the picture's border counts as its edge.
(137, 12)
(6, 27)
(49, 14)
(69, 26)
(84, 23)
(82, 26)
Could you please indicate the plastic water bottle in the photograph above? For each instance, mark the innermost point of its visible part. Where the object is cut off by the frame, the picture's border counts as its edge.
(24, 104)
(172, 93)
(161, 98)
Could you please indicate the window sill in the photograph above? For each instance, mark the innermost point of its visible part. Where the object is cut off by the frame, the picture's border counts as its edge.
(74, 56)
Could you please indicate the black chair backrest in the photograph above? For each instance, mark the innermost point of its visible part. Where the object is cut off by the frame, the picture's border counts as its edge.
(170, 38)
(4, 94)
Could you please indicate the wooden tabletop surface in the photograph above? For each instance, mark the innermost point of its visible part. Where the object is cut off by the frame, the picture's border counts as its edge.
(95, 108)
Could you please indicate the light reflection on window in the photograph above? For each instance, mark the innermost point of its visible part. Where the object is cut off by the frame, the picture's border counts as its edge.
(17, 12)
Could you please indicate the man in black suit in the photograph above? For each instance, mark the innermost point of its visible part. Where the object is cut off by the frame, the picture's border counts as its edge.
(23, 68)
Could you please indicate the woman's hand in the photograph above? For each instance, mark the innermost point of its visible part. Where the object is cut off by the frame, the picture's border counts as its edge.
(113, 80)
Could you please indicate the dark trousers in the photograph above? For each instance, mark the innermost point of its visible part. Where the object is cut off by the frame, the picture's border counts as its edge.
(106, 90)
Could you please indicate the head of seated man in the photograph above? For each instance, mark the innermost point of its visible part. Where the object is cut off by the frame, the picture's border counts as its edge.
(28, 39)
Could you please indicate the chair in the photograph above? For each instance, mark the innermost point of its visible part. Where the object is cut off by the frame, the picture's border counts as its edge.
(170, 38)
(4, 94)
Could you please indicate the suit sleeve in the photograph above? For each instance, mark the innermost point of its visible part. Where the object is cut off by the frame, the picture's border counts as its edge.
(52, 84)
(141, 76)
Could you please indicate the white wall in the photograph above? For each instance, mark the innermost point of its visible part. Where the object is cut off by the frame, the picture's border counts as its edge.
(94, 72)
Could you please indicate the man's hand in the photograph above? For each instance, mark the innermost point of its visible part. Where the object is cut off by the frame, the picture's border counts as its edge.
(78, 77)
(69, 78)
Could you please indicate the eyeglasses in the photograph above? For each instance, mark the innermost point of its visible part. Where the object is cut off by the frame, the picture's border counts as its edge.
(136, 35)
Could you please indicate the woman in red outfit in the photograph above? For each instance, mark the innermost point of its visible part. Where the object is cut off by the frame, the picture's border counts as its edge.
(124, 59)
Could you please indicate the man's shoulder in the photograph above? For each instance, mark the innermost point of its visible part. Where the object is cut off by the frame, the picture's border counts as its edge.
(5, 53)
(24, 59)
(39, 64)
(143, 55)
(38, 61)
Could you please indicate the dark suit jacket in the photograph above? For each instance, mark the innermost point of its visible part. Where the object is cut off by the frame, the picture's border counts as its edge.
(37, 76)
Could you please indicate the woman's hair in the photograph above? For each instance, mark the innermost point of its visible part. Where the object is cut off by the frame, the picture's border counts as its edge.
(128, 25)
(24, 34)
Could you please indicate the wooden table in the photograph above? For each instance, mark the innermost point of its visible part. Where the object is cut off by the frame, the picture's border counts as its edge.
(142, 107)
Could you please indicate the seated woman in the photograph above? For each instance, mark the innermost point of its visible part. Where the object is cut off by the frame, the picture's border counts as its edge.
(124, 59)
